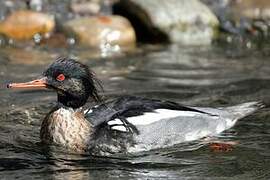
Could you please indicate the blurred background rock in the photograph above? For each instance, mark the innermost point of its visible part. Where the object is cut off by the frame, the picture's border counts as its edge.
(117, 26)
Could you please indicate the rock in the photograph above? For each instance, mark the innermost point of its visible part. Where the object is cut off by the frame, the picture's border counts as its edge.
(60, 10)
(241, 17)
(259, 9)
(92, 7)
(187, 22)
(35, 5)
(85, 8)
(56, 40)
(223, 11)
(221, 8)
(106, 7)
(251, 17)
(22, 25)
(100, 31)
(7, 6)
(251, 9)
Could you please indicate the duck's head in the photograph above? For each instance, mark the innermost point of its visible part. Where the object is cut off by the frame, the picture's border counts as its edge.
(73, 82)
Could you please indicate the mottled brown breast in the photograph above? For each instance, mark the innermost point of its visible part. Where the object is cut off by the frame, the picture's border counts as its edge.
(68, 128)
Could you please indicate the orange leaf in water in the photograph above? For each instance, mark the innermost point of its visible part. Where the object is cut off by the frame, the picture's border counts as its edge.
(221, 147)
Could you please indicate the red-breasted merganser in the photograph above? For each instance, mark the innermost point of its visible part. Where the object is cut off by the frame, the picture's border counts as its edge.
(124, 124)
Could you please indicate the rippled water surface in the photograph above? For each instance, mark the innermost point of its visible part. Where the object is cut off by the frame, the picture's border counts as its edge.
(202, 76)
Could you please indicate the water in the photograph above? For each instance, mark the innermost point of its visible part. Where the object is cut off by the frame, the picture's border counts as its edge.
(202, 76)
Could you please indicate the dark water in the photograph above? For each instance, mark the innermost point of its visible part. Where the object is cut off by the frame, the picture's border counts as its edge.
(202, 76)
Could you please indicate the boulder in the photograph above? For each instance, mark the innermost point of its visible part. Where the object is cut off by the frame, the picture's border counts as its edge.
(182, 21)
(22, 25)
(100, 31)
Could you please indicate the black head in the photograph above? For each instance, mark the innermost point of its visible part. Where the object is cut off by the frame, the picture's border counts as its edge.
(73, 82)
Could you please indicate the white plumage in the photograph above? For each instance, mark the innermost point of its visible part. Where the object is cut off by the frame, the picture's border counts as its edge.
(159, 114)
(177, 127)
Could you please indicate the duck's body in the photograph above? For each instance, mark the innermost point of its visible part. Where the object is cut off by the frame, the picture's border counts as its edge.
(132, 124)
(125, 124)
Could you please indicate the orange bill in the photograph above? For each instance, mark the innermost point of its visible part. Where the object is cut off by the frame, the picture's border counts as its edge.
(35, 84)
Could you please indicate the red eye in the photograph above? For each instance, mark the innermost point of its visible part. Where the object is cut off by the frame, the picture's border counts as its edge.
(60, 77)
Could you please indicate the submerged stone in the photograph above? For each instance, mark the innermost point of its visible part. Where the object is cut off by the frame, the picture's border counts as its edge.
(101, 31)
(187, 22)
(22, 25)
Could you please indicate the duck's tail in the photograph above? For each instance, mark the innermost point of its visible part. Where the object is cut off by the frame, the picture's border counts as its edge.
(242, 110)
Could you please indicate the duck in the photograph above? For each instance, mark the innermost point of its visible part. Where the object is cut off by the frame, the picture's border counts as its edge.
(125, 124)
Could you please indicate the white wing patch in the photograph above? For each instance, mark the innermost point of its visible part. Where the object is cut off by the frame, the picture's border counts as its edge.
(117, 124)
(119, 128)
(159, 114)
(88, 111)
